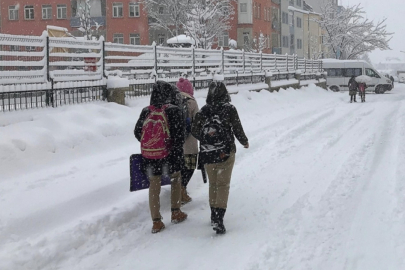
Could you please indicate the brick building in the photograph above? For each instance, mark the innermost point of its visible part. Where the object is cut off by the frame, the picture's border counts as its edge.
(30, 17)
(126, 22)
(256, 18)
(122, 21)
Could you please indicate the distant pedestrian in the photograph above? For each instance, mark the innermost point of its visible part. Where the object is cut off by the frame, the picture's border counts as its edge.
(216, 125)
(160, 129)
(362, 91)
(353, 89)
(191, 143)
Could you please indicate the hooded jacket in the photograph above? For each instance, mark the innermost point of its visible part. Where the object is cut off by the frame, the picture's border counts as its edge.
(191, 143)
(164, 93)
(218, 100)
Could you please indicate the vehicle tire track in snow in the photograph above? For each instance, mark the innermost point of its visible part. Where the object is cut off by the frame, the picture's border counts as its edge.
(298, 233)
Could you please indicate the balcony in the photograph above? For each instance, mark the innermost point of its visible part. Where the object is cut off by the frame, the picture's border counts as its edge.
(75, 21)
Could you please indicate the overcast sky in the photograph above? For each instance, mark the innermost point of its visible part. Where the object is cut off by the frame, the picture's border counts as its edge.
(394, 11)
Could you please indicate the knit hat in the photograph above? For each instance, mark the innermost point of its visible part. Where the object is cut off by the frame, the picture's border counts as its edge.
(185, 86)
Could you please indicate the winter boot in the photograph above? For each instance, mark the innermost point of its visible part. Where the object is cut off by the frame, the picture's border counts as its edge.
(219, 225)
(158, 226)
(184, 196)
(178, 216)
(213, 216)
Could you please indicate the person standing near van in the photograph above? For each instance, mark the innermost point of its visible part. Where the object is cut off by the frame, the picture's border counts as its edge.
(353, 89)
(216, 125)
(160, 129)
(191, 144)
(362, 91)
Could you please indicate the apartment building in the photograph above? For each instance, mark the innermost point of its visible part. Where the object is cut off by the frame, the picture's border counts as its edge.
(121, 21)
(292, 27)
(313, 47)
(257, 25)
(316, 5)
(31, 17)
(127, 22)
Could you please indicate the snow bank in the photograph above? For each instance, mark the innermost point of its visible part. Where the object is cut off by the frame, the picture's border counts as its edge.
(66, 205)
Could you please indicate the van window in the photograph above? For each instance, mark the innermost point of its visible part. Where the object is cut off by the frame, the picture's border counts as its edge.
(371, 73)
(334, 72)
(349, 72)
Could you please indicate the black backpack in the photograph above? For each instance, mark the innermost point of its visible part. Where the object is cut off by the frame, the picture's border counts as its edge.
(181, 101)
(187, 118)
(215, 145)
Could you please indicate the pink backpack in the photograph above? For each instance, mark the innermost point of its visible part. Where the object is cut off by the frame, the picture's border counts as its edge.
(155, 140)
(362, 87)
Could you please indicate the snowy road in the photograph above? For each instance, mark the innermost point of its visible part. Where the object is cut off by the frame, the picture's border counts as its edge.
(322, 187)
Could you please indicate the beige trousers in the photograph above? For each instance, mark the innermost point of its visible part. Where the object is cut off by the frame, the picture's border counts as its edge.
(154, 194)
(219, 175)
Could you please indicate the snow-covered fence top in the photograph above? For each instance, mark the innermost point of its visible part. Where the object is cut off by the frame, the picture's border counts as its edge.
(43, 60)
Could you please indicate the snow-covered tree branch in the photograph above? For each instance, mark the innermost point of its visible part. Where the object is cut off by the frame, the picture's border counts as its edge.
(207, 20)
(86, 22)
(168, 15)
(348, 34)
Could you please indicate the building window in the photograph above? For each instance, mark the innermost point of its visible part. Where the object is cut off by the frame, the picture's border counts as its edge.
(117, 10)
(259, 11)
(275, 40)
(299, 22)
(134, 10)
(62, 11)
(161, 38)
(285, 41)
(29, 12)
(223, 40)
(30, 48)
(161, 10)
(243, 7)
(299, 44)
(13, 13)
(118, 38)
(285, 17)
(135, 39)
(46, 12)
(246, 38)
(15, 48)
(299, 3)
(292, 41)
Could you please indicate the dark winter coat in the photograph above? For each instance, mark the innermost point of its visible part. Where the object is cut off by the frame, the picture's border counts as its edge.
(218, 100)
(353, 86)
(164, 93)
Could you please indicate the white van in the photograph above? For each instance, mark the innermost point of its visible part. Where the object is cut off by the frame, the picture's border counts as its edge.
(340, 71)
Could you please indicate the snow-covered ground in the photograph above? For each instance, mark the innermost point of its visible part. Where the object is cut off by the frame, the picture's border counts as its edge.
(322, 187)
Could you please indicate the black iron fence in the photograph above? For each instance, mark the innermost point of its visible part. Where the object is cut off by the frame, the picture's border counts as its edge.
(21, 100)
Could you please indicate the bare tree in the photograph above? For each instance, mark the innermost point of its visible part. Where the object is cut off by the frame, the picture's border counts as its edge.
(207, 20)
(349, 34)
(168, 15)
(87, 25)
(257, 44)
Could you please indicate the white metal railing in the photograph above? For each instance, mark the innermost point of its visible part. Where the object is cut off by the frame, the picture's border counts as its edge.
(41, 60)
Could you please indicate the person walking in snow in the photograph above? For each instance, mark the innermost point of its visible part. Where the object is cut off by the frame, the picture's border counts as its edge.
(352, 89)
(191, 143)
(216, 125)
(160, 129)
(362, 91)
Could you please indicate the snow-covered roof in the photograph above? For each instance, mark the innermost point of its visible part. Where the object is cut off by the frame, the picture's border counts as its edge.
(56, 28)
(181, 39)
